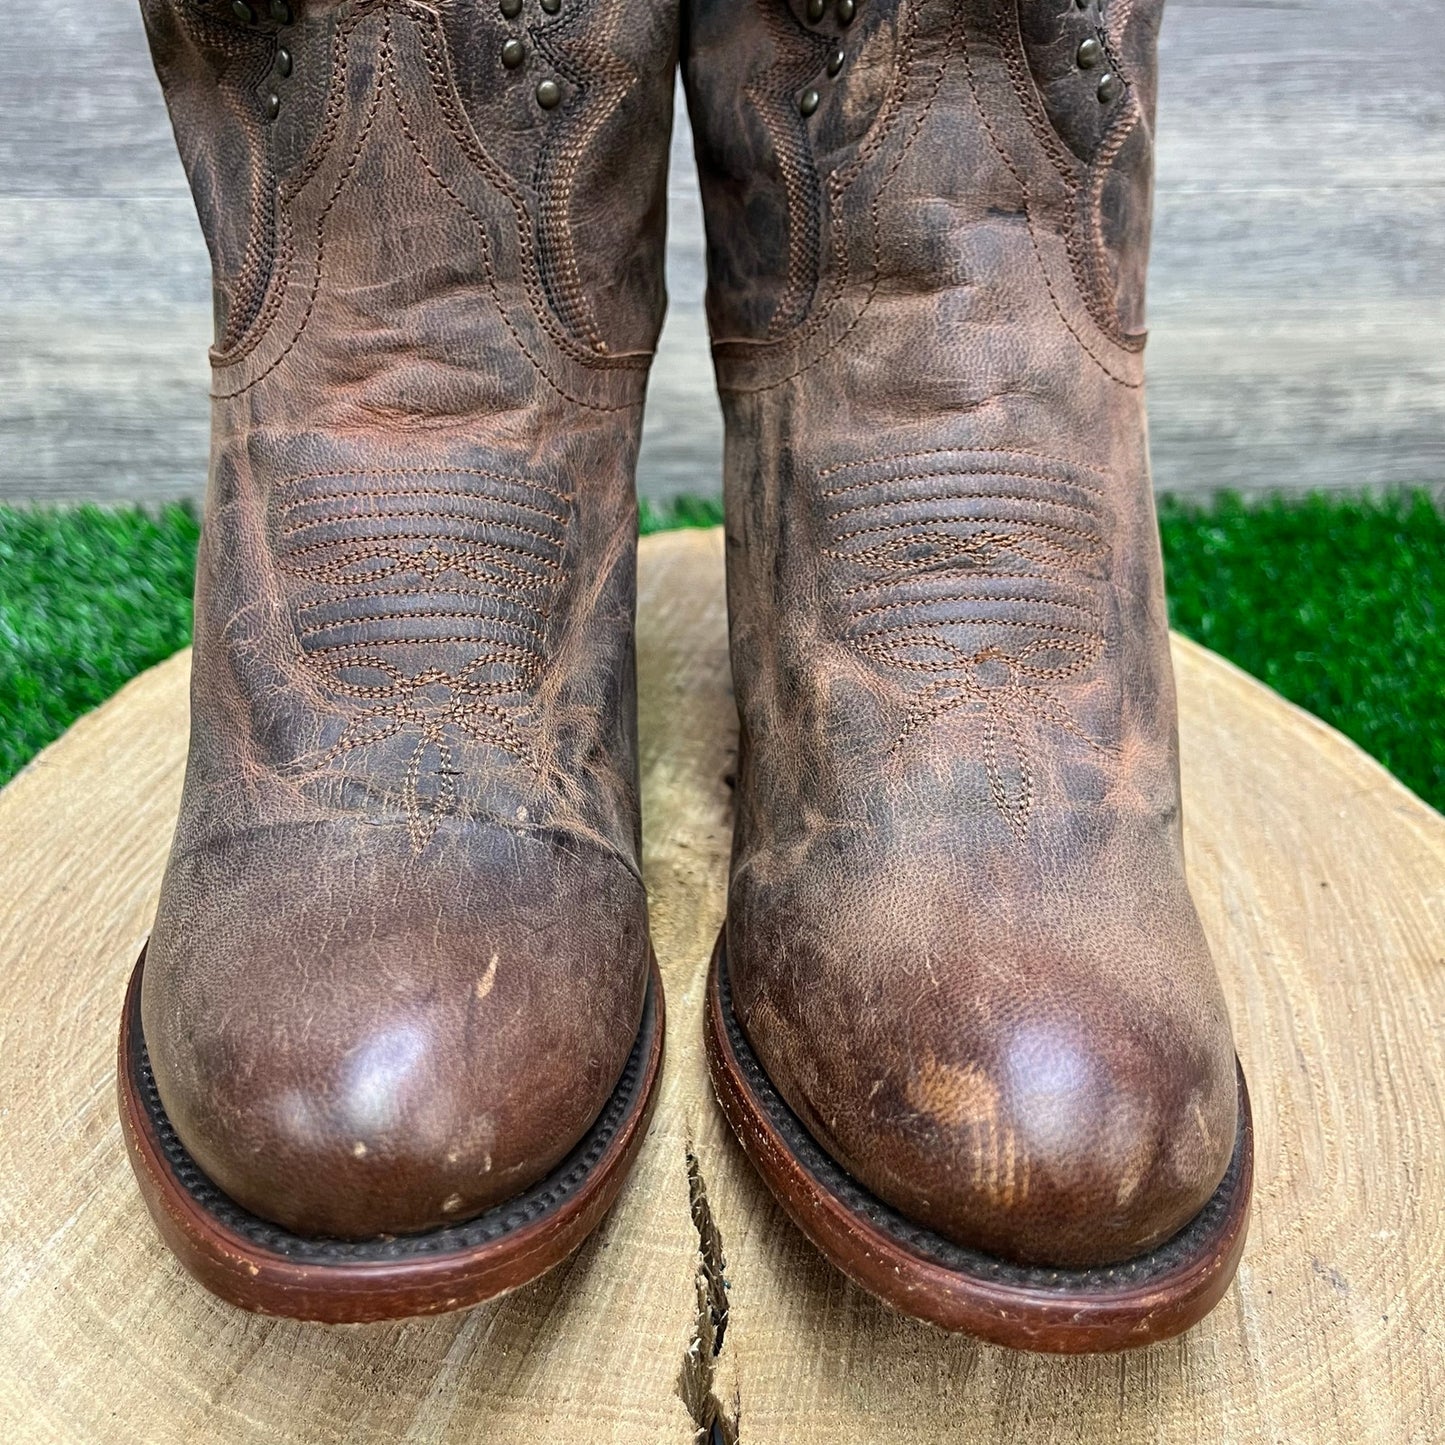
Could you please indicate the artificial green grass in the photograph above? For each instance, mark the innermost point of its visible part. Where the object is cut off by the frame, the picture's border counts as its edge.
(88, 598)
(1336, 603)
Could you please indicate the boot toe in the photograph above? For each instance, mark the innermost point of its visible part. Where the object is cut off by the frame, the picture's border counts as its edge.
(344, 1067)
(1069, 1108)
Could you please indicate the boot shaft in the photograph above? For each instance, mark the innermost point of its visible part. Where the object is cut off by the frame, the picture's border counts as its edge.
(818, 121)
(563, 115)
(438, 236)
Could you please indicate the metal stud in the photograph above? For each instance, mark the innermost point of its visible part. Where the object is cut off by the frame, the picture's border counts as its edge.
(549, 94)
(809, 101)
(511, 8)
(837, 58)
(280, 12)
(816, 9)
(551, 6)
(243, 12)
(847, 9)
(1110, 87)
(283, 62)
(273, 106)
(513, 53)
(1090, 53)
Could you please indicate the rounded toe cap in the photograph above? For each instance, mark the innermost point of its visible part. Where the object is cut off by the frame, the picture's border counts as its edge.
(1050, 1100)
(350, 1069)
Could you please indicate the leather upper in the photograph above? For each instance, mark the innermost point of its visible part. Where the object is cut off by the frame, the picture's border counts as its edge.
(959, 931)
(401, 950)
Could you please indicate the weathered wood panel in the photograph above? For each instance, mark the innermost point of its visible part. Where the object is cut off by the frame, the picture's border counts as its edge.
(1298, 287)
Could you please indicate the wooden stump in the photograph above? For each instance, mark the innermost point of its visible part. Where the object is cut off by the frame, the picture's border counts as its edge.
(1322, 882)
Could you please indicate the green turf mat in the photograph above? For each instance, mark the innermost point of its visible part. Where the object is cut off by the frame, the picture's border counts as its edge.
(88, 598)
(1336, 603)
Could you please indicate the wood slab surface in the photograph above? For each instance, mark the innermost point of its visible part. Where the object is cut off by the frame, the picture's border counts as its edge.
(1322, 883)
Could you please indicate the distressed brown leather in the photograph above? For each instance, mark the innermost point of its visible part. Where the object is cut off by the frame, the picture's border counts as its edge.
(401, 952)
(959, 933)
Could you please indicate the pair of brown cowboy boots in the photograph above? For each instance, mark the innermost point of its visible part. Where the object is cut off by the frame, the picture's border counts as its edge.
(398, 1030)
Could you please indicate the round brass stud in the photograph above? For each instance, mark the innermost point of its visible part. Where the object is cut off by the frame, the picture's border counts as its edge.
(243, 12)
(513, 53)
(280, 12)
(816, 9)
(809, 101)
(1110, 87)
(273, 106)
(1090, 53)
(551, 6)
(549, 94)
(283, 62)
(511, 8)
(837, 58)
(847, 9)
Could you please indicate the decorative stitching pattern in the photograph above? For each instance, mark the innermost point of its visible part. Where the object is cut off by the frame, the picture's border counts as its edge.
(450, 106)
(485, 563)
(1093, 288)
(460, 129)
(773, 93)
(567, 148)
(838, 184)
(1027, 203)
(979, 588)
(255, 52)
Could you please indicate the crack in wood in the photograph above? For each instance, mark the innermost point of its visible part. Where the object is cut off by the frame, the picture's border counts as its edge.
(696, 1381)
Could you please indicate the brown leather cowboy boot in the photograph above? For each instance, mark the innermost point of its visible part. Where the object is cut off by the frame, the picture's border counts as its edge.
(963, 1016)
(394, 1040)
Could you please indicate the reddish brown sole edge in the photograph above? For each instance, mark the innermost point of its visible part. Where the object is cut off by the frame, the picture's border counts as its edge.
(261, 1267)
(1125, 1306)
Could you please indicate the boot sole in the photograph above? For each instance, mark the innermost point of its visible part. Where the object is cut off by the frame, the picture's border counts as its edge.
(1058, 1311)
(263, 1267)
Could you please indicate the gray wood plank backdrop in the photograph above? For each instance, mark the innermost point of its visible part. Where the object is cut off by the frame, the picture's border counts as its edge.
(1298, 289)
